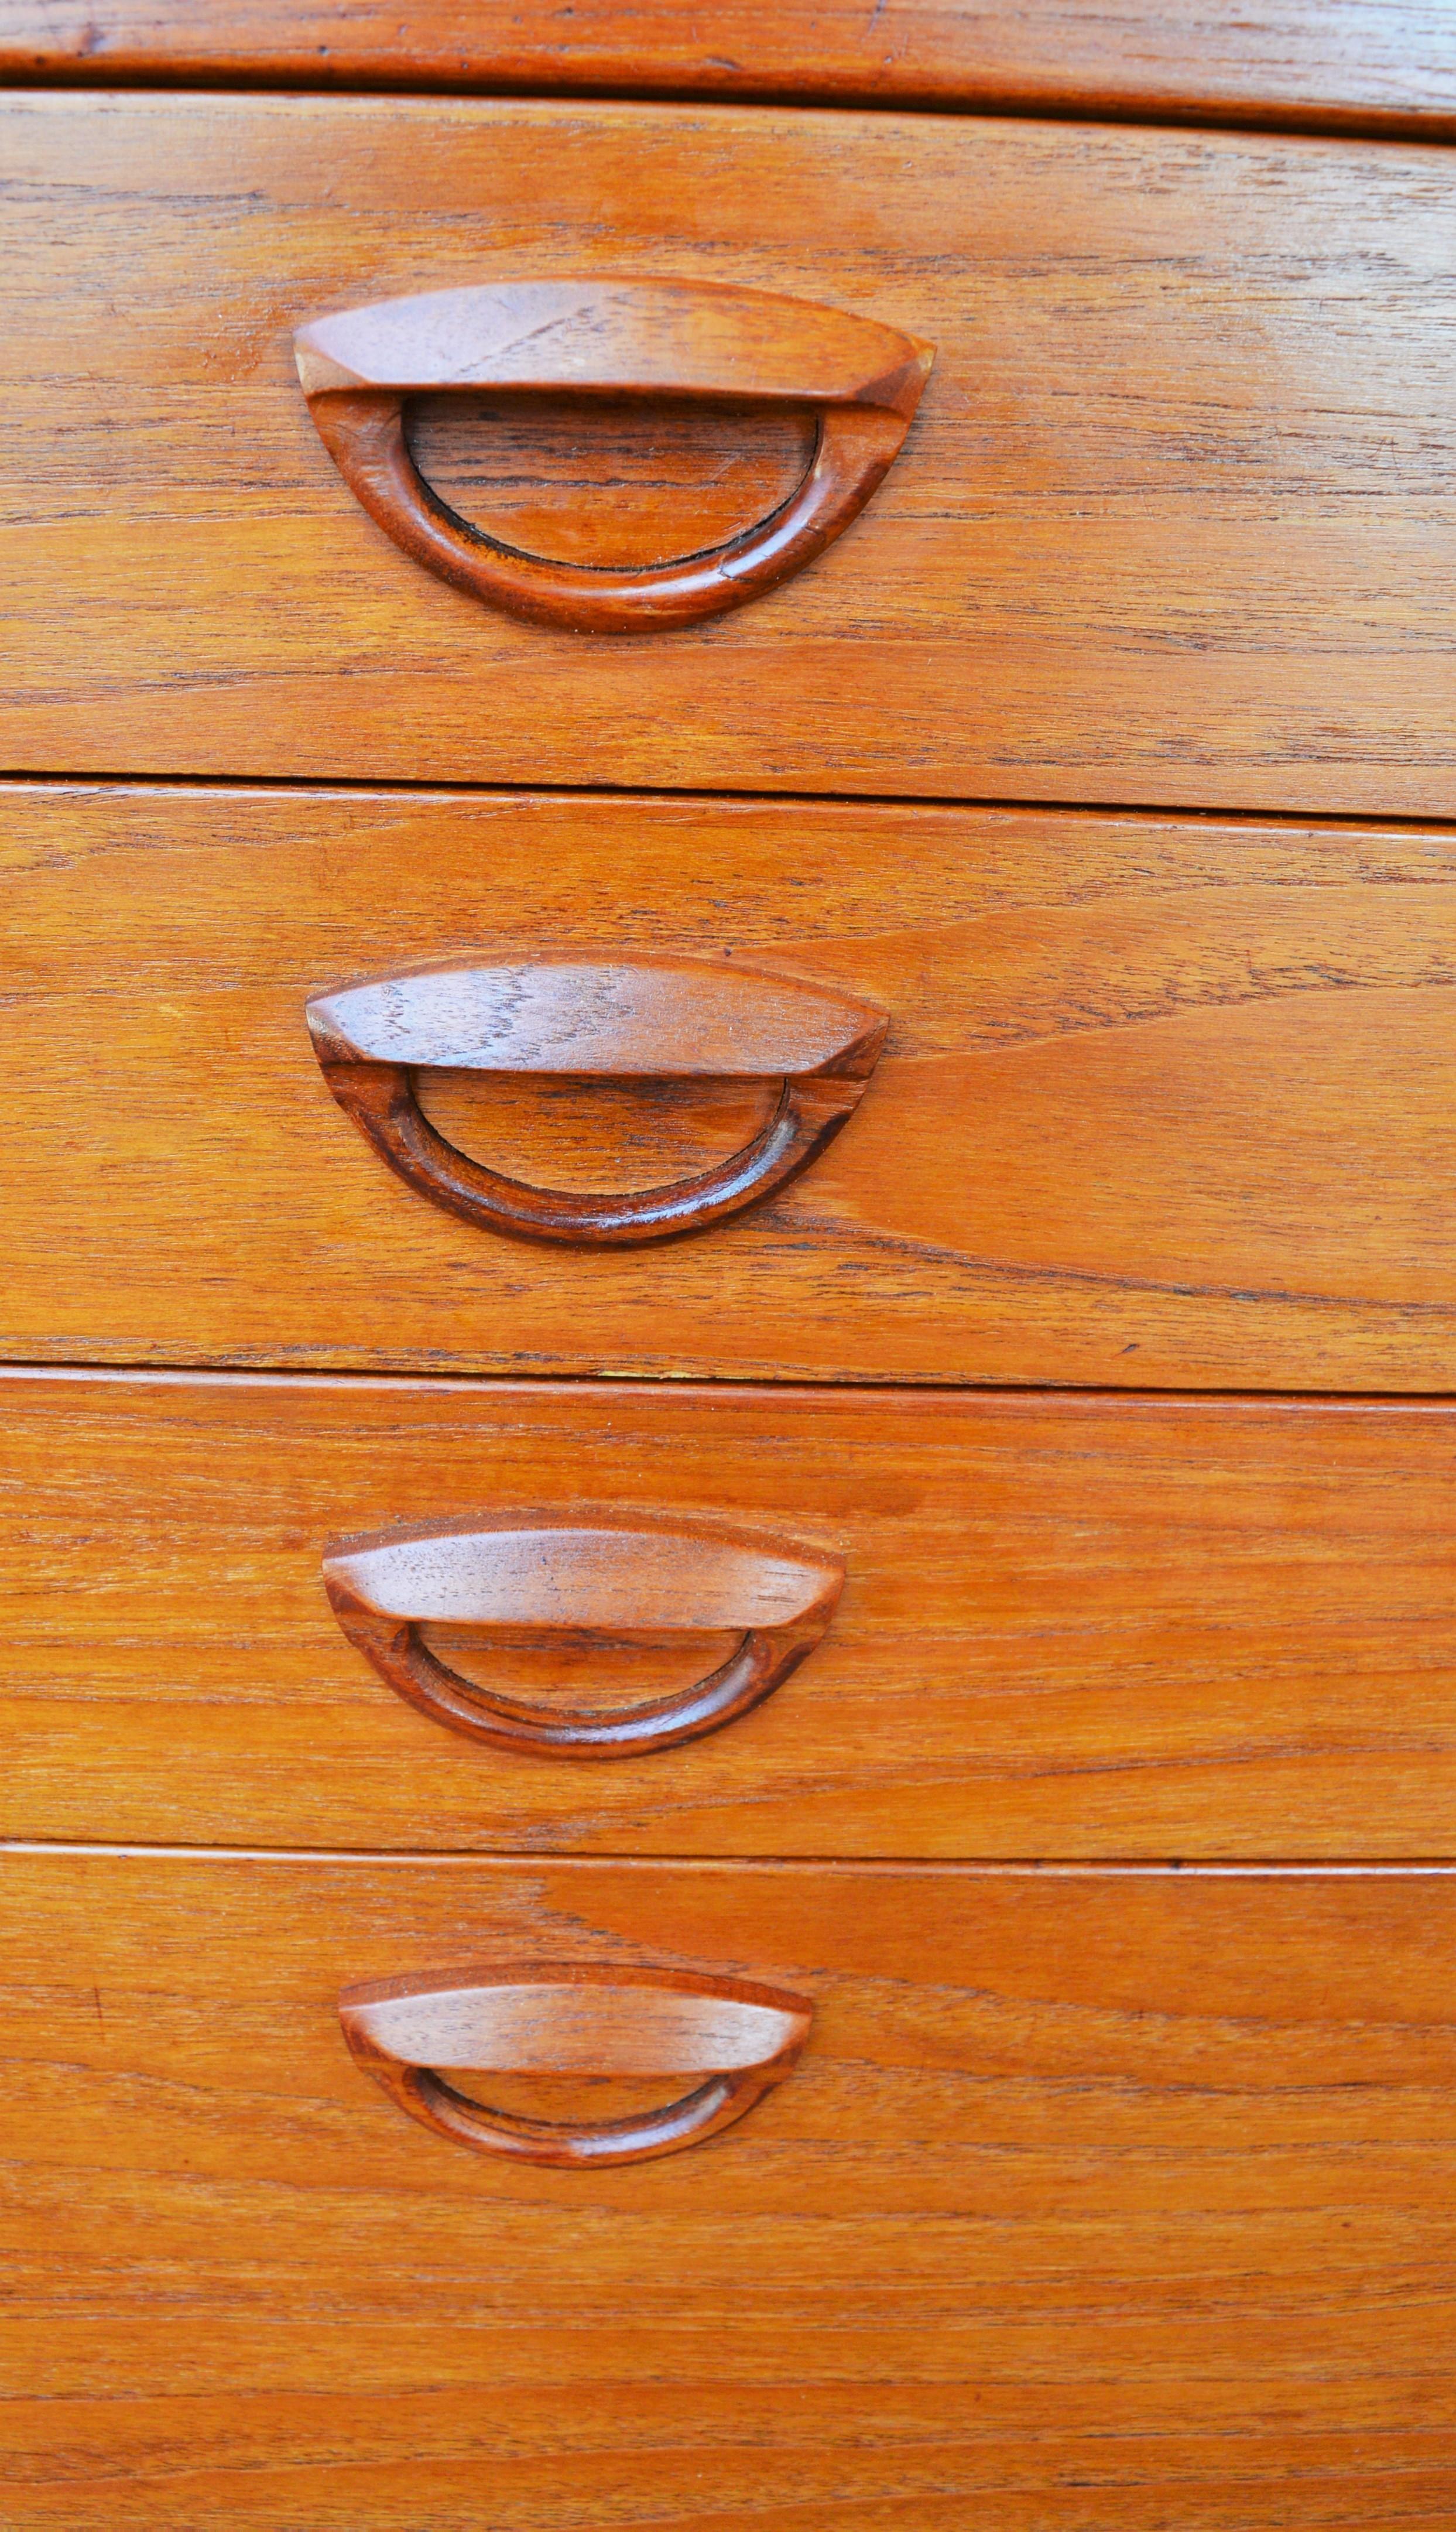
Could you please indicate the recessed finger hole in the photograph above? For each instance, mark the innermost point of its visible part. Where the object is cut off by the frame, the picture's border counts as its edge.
(606, 482)
(568, 2100)
(579, 1671)
(594, 1137)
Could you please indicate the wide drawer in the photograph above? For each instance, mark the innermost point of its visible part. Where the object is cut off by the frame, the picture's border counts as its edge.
(1175, 521)
(1320, 61)
(1095, 2202)
(1067, 1626)
(1161, 1102)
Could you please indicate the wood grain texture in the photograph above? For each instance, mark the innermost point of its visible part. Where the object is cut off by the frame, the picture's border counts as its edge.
(1095, 2203)
(1164, 1103)
(1175, 522)
(1376, 63)
(1080, 1627)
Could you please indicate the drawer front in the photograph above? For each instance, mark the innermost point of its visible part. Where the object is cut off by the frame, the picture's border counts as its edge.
(1068, 1626)
(1174, 522)
(1162, 1103)
(1094, 2200)
(1319, 60)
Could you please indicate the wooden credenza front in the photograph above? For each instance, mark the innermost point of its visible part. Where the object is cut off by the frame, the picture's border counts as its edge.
(727, 1293)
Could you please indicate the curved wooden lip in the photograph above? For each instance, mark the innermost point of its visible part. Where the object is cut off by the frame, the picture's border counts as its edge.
(634, 1574)
(573, 2019)
(613, 334)
(663, 1019)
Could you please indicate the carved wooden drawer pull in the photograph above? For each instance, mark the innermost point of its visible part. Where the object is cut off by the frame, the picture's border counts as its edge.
(612, 1577)
(611, 335)
(738, 2037)
(665, 1019)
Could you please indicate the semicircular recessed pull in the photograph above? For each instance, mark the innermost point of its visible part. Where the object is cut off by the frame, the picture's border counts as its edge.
(665, 1019)
(613, 1577)
(736, 2038)
(611, 334)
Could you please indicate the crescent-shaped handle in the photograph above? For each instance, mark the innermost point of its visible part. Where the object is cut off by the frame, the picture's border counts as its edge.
(736, 2038)
(609, 1576)
(668, 1019)
(611, 335)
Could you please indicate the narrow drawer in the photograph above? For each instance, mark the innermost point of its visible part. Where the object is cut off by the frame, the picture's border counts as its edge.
(1100, 2200)
(1322, 61)
(1174, 522)
(1067, 1626)
(1161, 1102)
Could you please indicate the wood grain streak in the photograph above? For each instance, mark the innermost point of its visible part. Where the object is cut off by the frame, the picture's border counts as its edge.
(1098, 2203)
(1175, 521)
(1319, 62)
(1164, 1102)
(1086, 1626)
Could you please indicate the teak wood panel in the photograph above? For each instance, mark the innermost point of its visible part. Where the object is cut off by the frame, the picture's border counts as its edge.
(1163, 1102)
(1094, 2204)
(1371, 62)
(1175, 521)
(1076, 1626)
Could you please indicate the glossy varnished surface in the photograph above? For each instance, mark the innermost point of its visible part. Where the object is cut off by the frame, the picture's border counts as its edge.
(1097, 2204)
(1316, 61)
(1163, 1102)
(1174, 522)
(1068, 1627)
